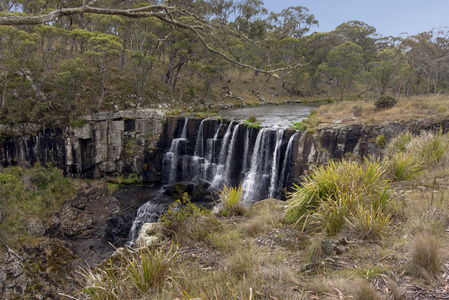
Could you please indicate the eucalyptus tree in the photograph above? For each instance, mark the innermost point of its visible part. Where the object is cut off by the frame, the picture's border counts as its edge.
(294, 21)
(317, 47)
(343, 64)
(363, 35)
(104, 50)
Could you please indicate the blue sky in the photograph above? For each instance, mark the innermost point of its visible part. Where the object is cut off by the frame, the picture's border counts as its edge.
(389, 17)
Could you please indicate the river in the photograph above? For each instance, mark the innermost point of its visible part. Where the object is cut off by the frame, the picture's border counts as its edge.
(271, 115)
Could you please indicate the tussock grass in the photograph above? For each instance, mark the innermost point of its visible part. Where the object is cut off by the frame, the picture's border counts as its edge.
(150, 267)
(407, 156)
(333, 192)
(130, 274)
(231, 201)
(242, 262)
(366, 291)
(427, 257)
(369, 224)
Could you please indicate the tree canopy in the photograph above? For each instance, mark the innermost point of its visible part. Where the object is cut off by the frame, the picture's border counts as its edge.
(73, 57)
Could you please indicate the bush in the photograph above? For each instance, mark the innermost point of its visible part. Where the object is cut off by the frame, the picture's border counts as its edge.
(386, 101)
(300, 126)
(380, 141)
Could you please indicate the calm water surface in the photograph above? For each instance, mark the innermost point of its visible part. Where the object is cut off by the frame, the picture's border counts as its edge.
(271, 115)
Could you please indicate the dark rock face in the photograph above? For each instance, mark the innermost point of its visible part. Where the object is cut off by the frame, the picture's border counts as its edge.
(108, 145)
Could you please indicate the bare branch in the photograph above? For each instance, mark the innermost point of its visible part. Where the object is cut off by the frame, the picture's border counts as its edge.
(157, 11)
(161, 12)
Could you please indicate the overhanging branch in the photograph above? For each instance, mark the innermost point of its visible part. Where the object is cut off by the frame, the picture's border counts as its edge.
(161, 12)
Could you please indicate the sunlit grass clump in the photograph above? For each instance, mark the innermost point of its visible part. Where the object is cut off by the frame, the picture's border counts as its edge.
(406, 156)
(336, 192)
(231, 201)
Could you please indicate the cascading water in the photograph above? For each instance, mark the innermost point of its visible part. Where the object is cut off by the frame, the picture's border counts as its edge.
(171, 157)
(147, 213)
(228, 154)
(256, 159)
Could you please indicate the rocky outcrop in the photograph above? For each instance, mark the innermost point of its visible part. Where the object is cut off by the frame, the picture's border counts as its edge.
(108, 144)
(84, 231)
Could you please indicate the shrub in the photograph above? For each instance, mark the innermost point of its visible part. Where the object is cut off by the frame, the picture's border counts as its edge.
(231, 201)
(30, 193)
(300, 126)
(357, 110)
(385, 101)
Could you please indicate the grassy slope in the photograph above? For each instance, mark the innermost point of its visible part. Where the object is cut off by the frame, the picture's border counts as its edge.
(261, 255)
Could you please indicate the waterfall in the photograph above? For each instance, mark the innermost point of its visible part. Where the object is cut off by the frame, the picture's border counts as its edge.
(225, 154)
(275, 165)
(230, 156)
(147, 213)
(258, 159)
(199, 147)
(288, 153)
(219, 169)
(171, 157)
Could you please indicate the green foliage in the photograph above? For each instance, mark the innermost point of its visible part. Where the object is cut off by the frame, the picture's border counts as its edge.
(130, 179)
(369, 224)
(380, 141)
(185, 220)
(231, 201)
(31, 193)
(404, 166)
(397, 144)
(130, 274)
(252, 122)
(386, 101)
(300, 126)
(179, 212)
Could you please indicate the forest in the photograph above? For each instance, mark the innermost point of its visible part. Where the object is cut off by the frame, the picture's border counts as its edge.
(106, 55)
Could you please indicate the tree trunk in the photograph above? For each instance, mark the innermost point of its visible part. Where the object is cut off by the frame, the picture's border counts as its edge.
(4, 91)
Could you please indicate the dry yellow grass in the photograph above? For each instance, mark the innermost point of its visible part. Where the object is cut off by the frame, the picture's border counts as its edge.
(433, 107)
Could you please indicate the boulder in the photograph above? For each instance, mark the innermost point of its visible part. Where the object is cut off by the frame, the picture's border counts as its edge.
(149, 235)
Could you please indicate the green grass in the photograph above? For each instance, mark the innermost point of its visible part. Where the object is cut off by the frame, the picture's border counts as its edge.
(27, 194)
